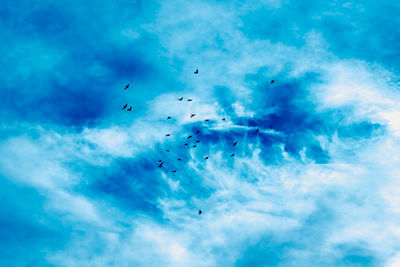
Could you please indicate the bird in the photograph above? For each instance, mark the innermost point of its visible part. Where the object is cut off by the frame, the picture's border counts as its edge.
(169, 117)
(223, 119)
(257, 130)
(233, 154)
(159, 166)
(197, 131)
(126, 86)
(206, 120)
(272, 81)
(189, 99)
(194, 146)
(196, 72)
(179, 159)
(167, 150)
(125, 106)
(197, 141)
(174, 171)
(167, 135)
(130, 108)
(186, 144)
(180, 99)
(206, 158)
(189, 136)
(234, 144)
(191, 116)
(160, 160)
(199, 212)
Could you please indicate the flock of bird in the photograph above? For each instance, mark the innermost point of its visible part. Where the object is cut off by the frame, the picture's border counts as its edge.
(160, 162)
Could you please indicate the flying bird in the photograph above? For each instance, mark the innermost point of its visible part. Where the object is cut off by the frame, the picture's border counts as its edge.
(125, 106)
(186, 144)
(174, 171)
(223, 119)
(168, 118)
(189, 99)
(196, 72)
(159, 166)
(167, 150)
(179, 159)
(257, 130)
(233, 154)
(197, 131)
(189, 136)
(197, 141)
(272, 81)
(180, 99)
(194, 146)
(160, 160)
(167, 135)
(191, 116)
(126, 86)
(234, 144)
(199, 212)
(206, 158)
(130, 108)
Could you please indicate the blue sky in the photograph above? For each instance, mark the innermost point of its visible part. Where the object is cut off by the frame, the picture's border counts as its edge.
(317, 186)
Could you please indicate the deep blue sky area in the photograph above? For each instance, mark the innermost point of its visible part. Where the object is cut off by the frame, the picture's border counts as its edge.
(313, 179)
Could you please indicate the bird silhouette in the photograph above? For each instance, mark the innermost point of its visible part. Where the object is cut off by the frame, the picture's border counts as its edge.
(180, 99)
(257, 130)
(233, 154)
(197, 131)
(197, 141)
(125, 106)
(168, 118)
(223, 119)
(174, 171)
(130, 108)
(167, 135)
(199, 212)
(196, 72)
(126, 86)
(206, 158)
(272, 81)
(189, 136)
(159, 166)
(234, 144)
(191, 116)
(179, 159)
(186, 144)
(194, 146)
(206, 120)
(160, 160)
(190, 99)
(167, 150)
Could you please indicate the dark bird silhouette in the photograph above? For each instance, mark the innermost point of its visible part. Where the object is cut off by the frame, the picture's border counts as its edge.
(272, 81)
(130, 108)
(174, 171)
(197, 141)
(125, 106)
(189, 136)
(206, 120)
(197, 131)
(189, 99)
(257, 130)
(199, 212)
(223, 119)
(196, 72)
(194, 146)
(167, 150)
(160, 160)
(206, 158)
(126, 86)
(180, 99)
(179, 159)
(159, 166)
(191, 116)
(186, 144)
(233, 154)
(234, 144)
(168, 118)
(167, 135)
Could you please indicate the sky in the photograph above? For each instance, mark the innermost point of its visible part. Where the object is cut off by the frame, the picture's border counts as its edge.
(318, 185)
